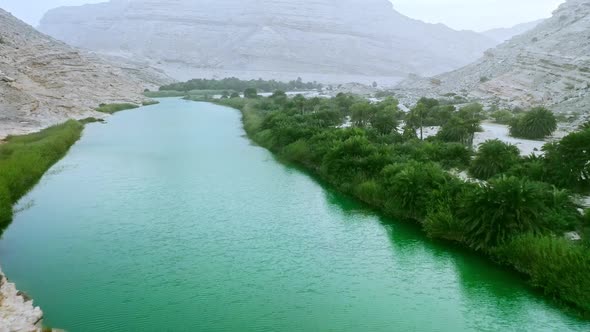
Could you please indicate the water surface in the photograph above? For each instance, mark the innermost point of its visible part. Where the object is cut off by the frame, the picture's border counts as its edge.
(168, 219)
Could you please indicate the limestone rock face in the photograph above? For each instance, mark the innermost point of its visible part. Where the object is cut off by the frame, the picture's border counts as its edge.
(267, 38)
(16, 312)
(549, 65)
(44, 82)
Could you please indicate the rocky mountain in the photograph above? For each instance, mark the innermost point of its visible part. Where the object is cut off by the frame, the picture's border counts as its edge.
(44, 81)
(549, 65)
(503, 34)
(324, 40)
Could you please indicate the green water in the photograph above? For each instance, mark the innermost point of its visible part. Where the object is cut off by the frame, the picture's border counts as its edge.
(168, 219)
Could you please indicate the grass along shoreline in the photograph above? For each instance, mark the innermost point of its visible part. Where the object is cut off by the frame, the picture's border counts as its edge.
(24, 159)
(404, 180)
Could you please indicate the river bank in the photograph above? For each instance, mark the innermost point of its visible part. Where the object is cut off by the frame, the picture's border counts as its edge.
(552, 263)
(23, 161)
(17, 312)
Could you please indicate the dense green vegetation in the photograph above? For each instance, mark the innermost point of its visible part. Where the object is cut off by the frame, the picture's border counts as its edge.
(538, 123)
(24, 159)
(167, 93)
(517, 217)
(235, 84)
(114, 108)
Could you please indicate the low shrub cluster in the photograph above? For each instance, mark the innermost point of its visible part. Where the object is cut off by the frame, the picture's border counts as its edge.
(114, 108)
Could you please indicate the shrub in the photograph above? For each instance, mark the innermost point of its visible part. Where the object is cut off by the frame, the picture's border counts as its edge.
(567, 163)
(250, 93)
(502, 117)
(535, 124)
(409, 188)
(501, 209)
(297, 151)
(441, 223)
(114, 108)
(554, 264)
(494, 157)
(369, 192)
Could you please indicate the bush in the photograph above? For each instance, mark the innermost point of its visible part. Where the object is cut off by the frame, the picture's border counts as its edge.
(410, 187)
(250, 93)
(494, 157)
(441, 223)
(495, 212)
(502, 117)
(567, 163)
(554, 264)
(114, 108)
(535, 124)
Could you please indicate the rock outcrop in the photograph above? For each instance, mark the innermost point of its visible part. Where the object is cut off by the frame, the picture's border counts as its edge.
(16, 312)
(44, 82)
(328, 40)
(549, 65)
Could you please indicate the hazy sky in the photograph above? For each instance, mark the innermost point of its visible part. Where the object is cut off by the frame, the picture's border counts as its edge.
(459, 14)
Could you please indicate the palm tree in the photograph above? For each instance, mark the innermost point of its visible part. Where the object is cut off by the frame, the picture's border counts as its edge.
(494, 157)
(501, 209)
(536, 124)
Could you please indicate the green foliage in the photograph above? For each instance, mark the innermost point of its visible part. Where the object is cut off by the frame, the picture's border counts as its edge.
(493, 157)
(502, 117)
(538, 123)
(503, 208)
(236, 84)
(164, 94)
(385, 120)
(409, 188)
(5, 206)
(554, 264)
(114, 108)
(362, 113)
(150, 102)
(24, 159)
(567, 161)
(405, 177)
(250, 93)
(441, 223)
(459, 130)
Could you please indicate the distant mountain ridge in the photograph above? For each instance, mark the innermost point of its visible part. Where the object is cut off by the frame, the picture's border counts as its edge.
(337, 40)
(504, 34)
(548, 65)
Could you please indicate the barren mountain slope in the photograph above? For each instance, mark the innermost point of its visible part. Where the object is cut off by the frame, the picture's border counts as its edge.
(335, 40)
(549, 65)
(43, 81)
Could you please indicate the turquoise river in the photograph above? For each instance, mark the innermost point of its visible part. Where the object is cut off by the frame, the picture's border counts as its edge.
(167, 218)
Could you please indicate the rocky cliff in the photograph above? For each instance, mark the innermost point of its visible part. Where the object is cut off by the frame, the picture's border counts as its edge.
(327, 40)
(43, 81)
(549, 65)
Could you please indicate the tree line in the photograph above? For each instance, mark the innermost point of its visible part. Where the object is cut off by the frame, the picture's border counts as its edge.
(516, 213)
(237, 85)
